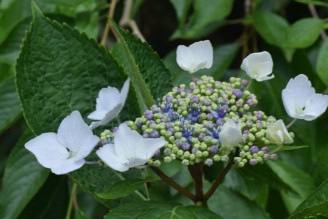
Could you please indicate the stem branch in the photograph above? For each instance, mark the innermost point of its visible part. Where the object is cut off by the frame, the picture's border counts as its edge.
(173, 184)
(196, 172)
(111, 10)
(71, 201)
(218, 180)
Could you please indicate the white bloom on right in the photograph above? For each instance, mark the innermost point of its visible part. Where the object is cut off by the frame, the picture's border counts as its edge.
(301, 101)
(110, 102)
(277, 133)
(258, 66)
(197, 56)
(129, 150)
(230, 134)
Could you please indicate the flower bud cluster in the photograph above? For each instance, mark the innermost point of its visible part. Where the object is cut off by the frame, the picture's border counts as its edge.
(190, 120)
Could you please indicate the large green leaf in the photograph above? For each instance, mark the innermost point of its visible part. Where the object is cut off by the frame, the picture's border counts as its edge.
(146, 210)
(316, 204)
(151, 79)
(299, 180)
(207, 16)
(229, 204)
(60, 70)
(322, 64)
(22, 179)
(121, 189)
(10, 107)
(275, 30)
(304, 32)
(181, 9)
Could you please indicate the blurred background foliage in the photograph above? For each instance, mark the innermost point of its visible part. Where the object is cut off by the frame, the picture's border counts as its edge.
(292, 31)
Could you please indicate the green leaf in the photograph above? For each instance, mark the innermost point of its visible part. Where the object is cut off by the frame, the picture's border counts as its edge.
(314, 2)
(207, 16)
(304, 32)
(299, 180)
(276, 148)
(181, 9)
(79, 214)
(23, 178)
(10, 108)
(316, 203)
(151, 79)
(121, 189)
(146, 210)
(270, 26)
(229, 204)
(53, 80)
(322, 64)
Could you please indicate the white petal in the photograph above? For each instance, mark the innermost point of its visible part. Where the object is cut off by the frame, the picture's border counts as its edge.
(277, 133)
(295, 95)
(47, 149)
(97, 115)
(147, 147)
(230, 134)
(185, 58)
(315, 106)
(203, 52)
(108, 155)
(109, 116)
(125, 91)
(75, 134)
(258, 66)
(125, 141)
(67, 166)
(197, 56)
(108, 98)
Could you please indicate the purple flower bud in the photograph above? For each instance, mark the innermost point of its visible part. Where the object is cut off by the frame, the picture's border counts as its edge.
(250, 102)
(148, 114)
(265, 150)
(208, 162)
(194, 150)
(201, 136)
(185, 146)
(157, 153)
(154, 134)
(194, 99)
(214, 149)
(259, 115)
(167, 151)
(244, 82)
(180, 89)
(220, 121)
(254, 149)
(238, 93)
(273, 157)
(209, 116)
(178, 142)
(207, 102)
(246, 132)
(253, 161)
(114, 129)
(145, 135)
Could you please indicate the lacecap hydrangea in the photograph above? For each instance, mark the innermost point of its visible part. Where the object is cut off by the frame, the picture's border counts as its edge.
(192, 120)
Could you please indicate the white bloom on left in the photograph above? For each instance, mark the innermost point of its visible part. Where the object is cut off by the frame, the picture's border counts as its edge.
(301, 101)
(277, 133)
(64, 151)
(258, 66)
(110, 102)
(230, 134)
(197, 56)
(129, 150)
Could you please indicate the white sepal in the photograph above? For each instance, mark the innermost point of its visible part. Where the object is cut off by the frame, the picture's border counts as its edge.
(277, 133)
(64, 152)
(230, 135)
(258, 66)
(129, 150)
(197, 56)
